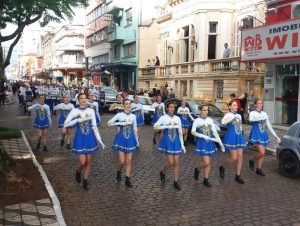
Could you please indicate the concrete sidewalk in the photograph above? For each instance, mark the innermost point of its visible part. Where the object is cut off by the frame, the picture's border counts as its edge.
(35, 212)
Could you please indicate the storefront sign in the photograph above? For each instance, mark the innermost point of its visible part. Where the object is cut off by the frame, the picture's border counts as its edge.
(276, 41)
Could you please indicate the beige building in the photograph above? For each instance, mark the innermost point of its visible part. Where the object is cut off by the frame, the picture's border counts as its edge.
(192, 34)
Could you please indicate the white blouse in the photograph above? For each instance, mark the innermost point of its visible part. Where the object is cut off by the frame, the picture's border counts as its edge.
(123, 119)
(159, 107)
(64, 107)
(170, 122)
(137, 107)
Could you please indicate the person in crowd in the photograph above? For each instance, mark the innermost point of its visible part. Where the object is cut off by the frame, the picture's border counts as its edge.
(157, 61)
(126, 140)
(137, 109)
(95, 106)
(66, 107)
(258, 136)
(159, 110)
(42, 121)
(171, 143)
(186, 118)
(251, 102)
(149, 63)
(85, 139)
(146, 93)
(226, 54)
(172, 93)
(291, 99)
(206, 133)
(233, 141)
(243, 100)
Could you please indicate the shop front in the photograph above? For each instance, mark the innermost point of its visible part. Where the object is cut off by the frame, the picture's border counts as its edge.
(278, 47)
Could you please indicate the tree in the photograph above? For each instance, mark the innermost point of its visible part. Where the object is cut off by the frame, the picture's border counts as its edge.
(25, 12)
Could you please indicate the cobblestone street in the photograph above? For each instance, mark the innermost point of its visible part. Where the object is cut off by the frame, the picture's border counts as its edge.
(270, 200)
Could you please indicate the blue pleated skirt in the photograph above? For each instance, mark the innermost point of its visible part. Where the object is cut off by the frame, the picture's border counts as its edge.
(41, 122)
(205, 148)
(139, 119)
(170, 143)
(84, 139)
(185, 121)
(233, 140)
(125, 141)
(258, 136)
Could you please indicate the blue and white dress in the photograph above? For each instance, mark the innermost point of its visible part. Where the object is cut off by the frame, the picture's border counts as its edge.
(172, 141)
(234, 138)
(95, 106)
(42, 118)
(204, 129)
(159, 110)
(126, 140)
(185, 116)
(87, 134)
(260, 122)
(137, 109)
(65, 110)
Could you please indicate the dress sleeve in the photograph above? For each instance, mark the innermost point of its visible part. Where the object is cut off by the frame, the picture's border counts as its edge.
(190, 115)
(112, 121)
(70, 121)
(227, 118)
(33, 107)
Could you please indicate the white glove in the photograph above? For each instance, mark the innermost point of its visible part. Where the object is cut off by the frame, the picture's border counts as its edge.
(214, 140)
(183, 149)
(222, 147)
(103, 145)
(278, 139)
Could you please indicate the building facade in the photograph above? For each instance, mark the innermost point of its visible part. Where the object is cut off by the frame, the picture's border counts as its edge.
(192, 37)
(277, 45)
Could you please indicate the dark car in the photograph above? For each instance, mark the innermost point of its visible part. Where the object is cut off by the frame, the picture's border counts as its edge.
(288, 152)
(215, 113)
(148, 111)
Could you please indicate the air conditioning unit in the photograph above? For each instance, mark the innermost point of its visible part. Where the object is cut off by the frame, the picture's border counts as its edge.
(295, 9)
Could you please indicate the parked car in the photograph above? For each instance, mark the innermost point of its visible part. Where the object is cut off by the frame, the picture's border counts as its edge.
(110, 95)
(288, 152)
(215, 113)
(146, 102)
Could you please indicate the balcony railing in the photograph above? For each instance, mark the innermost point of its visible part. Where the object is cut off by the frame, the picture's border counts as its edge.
(115, 33)
(211, 67)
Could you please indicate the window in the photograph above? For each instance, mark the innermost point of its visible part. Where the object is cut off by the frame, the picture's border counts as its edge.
(129, 17)
(213, 27)
(117, 54)
(129, 50)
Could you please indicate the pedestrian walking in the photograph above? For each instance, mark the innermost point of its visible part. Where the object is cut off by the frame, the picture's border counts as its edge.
(206, 133)
(258, 136)
(85, 139)
(42, 121)
(137, 109)
(159, 110)
(126, 140)
(65, 108)
(171, 143)
(234, 141)
(95, 106)
(185, 117)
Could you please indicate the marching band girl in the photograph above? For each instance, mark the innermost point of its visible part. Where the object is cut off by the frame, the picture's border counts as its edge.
(117, 107)
(234, 141)
(258, 136)
(171, 143)
(86, 137)
(185, 116)
(95, 106)
(206, 133)
(137, 109)
(65, 109)
(42, 121)
(159, 110)
(126, 140)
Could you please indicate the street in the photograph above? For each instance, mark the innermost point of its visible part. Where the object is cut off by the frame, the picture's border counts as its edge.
(270, 200)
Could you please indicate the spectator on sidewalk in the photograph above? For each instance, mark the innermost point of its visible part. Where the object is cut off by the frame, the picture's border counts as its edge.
(233, 98)
(243, 101)
(251, 101)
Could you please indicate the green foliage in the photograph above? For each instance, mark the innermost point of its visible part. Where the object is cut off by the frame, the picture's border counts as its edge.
(9, 133)
(24, 11)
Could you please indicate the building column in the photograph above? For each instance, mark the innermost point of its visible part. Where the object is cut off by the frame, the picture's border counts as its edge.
(188, 90)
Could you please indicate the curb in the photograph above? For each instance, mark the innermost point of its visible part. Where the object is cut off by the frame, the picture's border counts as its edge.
(55, 201)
